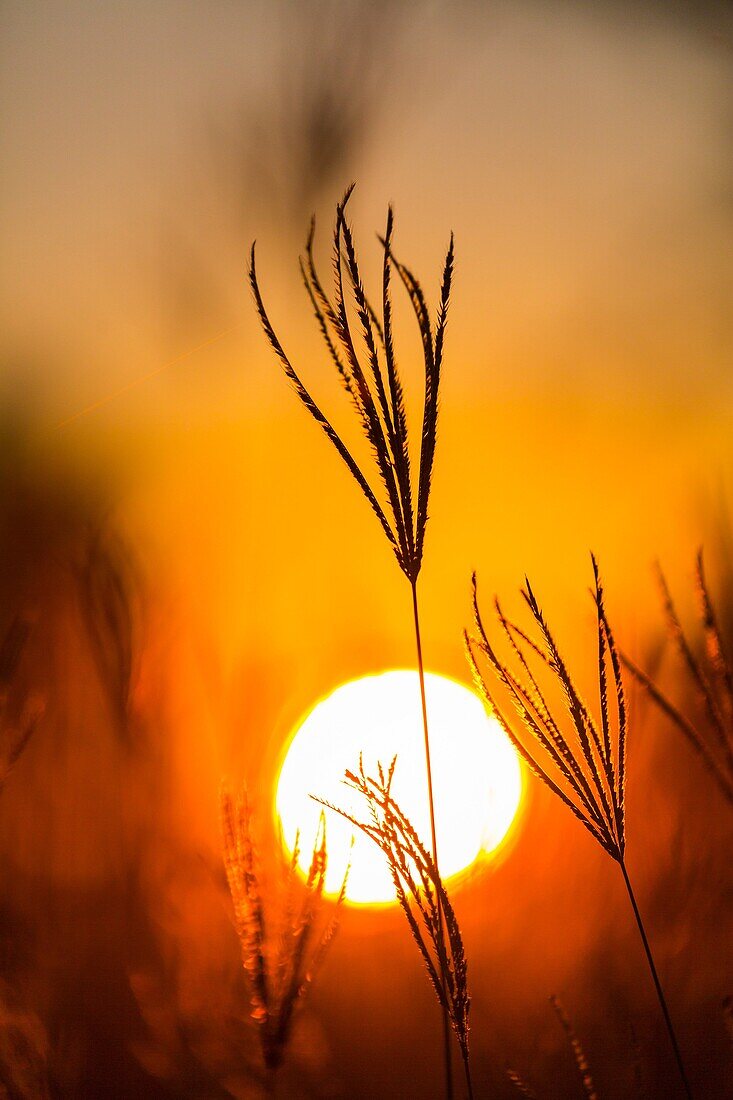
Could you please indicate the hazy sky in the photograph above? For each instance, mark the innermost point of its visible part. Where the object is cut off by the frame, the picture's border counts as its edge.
(581, 153)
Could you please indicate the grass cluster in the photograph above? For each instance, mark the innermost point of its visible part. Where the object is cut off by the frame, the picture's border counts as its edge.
(281, 952)
(710, 733)
(376, 395)
(578, 751)
(579, 756)
(421, 894)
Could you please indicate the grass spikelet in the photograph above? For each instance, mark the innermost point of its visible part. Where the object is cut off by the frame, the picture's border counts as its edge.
(521, 1086)
(374, 387)
(280, 962)
(421, 895)
(576, 1046)
(581, 1061)
(711, 678)
(580, 758)
(585, 768)
(18, 719)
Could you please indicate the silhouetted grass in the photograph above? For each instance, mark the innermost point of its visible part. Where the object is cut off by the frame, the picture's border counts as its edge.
(711, 679)
(376, 395)
(586, 769)
(281, 954)
(421, 895)
(522, 1086)
(375, 391)
(579, 1056)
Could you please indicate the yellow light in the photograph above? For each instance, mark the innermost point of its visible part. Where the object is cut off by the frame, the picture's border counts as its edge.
(477, 780)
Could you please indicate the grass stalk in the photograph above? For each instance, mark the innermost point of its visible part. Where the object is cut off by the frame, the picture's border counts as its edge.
(580, 759)
(371, 380)
(434, 840)
(418, 886)
(657, 983)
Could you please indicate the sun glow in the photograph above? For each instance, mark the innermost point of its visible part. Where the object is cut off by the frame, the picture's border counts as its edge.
(477, 780)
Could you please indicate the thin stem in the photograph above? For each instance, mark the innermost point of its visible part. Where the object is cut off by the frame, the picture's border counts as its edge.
(469, 1084)
(446, 1016)
(657, 983)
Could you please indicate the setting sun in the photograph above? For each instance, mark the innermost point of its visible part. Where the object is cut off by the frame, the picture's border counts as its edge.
(477, 775)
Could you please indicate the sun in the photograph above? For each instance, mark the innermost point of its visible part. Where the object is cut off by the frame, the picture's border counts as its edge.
(477, 779)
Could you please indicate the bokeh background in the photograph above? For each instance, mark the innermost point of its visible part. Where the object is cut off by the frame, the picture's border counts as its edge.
(199, 569)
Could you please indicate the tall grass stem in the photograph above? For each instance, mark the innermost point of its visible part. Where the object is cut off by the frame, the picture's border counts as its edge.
(434, 840)
(657, 983)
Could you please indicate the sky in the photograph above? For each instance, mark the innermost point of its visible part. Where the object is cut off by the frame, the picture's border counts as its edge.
(581, 154)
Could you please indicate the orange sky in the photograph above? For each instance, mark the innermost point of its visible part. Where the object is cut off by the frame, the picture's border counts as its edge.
(581, 155)
(586, 394)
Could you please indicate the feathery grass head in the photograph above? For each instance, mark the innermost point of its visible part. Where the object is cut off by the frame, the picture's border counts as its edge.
(585, 766)
(420, 892)
(280, 961)
(374, 387)
(18, 719)
(581, 1062)
(711, 678)
(521, 1086)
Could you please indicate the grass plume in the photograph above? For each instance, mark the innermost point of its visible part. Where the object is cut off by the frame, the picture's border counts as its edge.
(374, 388)
(421, 894)
(585, 768)
(521, 1086)
(375, 392)
(280, 961)
(711, 677)
(581, 1061)
(579, 1055)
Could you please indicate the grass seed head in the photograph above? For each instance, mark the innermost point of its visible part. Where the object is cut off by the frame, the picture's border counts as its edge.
(372, 380)
(280, 961)
(581, 759)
